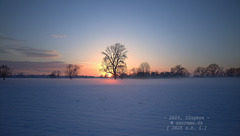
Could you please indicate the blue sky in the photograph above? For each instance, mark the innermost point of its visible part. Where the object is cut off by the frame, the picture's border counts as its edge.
(164, 33)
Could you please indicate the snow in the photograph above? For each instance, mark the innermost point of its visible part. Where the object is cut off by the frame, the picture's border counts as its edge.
(107, 107)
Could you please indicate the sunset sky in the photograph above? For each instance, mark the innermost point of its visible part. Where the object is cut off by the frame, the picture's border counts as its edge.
(37, 37)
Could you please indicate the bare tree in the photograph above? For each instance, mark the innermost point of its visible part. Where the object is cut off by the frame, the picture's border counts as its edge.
(53, 74)
(114, 59)
(144, 68)
(58, 73)
(5, 71)
(238, 71)
(179, 71)
(200, 71)
(20, 75)
(133, 71)
(72, 70)
(122, 71)
(231, 72)
(214, 70)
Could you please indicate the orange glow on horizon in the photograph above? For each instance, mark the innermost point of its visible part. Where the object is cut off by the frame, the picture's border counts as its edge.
(110, 81)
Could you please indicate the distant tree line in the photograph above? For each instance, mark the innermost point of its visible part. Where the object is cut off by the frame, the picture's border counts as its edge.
(143, 71)
(70, 72)
(213, 70)
(55, 74)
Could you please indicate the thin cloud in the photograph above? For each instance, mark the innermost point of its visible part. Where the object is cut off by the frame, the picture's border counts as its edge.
(30, 67)
(6, 38)
(58, 36)
(40, 55)
(14, 46)
(32, 52)
(3, 51)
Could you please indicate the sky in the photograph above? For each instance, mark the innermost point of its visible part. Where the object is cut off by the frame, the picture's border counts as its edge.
(37, 37)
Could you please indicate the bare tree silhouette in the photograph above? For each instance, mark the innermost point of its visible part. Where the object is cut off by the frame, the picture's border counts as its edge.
(179, 71)
(122, 70)
(214, 70)
(58, 73)
(133, 72)
(53, 74)
(238, 71)
(5, 71)
(114, 59)
(200, 72)
(231, 72)
(72, 70)
(144, 68)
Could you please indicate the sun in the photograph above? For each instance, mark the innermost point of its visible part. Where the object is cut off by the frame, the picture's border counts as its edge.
(109, 75)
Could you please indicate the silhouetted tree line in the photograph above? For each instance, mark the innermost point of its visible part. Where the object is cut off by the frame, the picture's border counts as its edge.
(70, 72)
(143, 71)
(55, 74)
(233, 72)
(213, 70)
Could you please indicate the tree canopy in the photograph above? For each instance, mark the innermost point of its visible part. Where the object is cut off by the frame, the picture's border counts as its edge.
(5, 71)
(72, 70)
(114, 59)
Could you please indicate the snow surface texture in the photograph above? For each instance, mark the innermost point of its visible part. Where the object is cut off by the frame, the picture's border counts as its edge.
(105, 107)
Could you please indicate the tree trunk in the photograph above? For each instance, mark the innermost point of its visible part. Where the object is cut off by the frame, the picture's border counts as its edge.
(115, 76)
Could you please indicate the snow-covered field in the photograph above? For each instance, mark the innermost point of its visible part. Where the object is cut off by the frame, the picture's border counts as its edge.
(130, 107)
